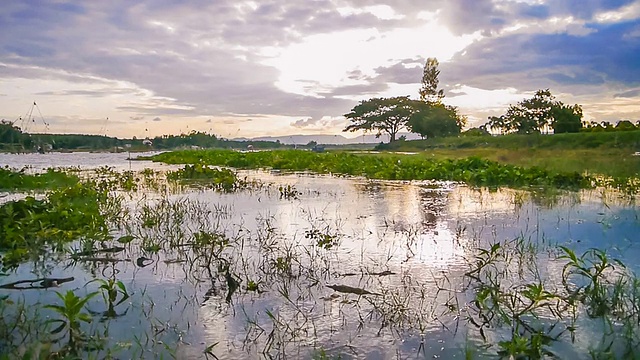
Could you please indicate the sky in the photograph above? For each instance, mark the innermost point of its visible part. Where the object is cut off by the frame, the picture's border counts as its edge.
(280, 67)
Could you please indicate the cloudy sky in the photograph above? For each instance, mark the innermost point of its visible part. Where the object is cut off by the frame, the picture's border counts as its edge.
(278, 67)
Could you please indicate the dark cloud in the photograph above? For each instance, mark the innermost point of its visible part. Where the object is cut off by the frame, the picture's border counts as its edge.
(530, 61)
(407, 71)
(583, 78)
(157, 118)
(628, 94)
(585, 9)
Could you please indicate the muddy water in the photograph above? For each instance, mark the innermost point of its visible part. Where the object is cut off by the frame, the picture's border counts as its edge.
(400, 241)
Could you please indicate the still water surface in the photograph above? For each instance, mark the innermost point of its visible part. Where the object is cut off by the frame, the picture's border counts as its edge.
(399, 240)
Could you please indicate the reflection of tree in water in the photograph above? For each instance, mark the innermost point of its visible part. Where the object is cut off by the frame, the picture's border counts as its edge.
(433, 202)
(550, 198)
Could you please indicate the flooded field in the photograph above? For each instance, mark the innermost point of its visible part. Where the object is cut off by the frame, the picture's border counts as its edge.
(319, 266)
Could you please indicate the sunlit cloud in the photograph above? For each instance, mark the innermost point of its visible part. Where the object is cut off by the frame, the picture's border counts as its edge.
(251, 68)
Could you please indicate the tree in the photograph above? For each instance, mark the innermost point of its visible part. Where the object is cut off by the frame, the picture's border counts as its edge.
(477, 131)
(625, 125)
(531, 115)
(435, 120)
(11, 135)
(429, 91)
(538, 114)
(384, 115)
(566, 119)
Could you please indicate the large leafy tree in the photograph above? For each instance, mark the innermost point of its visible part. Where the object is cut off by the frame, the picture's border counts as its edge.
(566, 119)
(428, 116)
(11, 134)
(537, 114)
(429, 90)
(435, 120)
(382, 115)
(431, 118)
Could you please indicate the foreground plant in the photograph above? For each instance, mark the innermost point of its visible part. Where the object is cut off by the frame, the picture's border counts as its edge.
(71, 316)
(509, 293)
(30, 226)
(111, 290)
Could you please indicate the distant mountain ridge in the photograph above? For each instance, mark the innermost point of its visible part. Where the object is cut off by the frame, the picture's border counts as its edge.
(327, 139)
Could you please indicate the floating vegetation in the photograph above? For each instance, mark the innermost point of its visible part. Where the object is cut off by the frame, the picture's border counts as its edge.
(30, 228)
(472, 170)
(217, 179)
(11, 179)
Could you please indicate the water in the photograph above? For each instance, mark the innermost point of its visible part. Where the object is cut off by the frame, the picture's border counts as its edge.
(402, 241)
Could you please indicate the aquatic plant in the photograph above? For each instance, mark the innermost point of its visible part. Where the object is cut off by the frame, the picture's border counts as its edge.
(111, 289)
(219, 179)
(71, 315)
(471, 170)
(30, 225)
(12, 179)
(509, 292)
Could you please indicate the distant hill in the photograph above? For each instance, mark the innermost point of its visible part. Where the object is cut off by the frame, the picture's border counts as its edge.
(327, 139)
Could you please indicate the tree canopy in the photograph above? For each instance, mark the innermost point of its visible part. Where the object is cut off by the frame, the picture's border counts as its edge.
(537, 114)
(429, 91)
(435, 120)
(383, 115)
(428, 116)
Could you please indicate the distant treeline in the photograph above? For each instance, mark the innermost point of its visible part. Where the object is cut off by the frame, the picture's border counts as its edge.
(13, 139)
(617, 139)
(204, 140)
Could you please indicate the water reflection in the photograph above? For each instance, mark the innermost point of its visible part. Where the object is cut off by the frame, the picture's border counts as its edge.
(403, 242)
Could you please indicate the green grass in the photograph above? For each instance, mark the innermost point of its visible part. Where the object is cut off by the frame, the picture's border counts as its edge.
(471, 170)
(607, 162)
(629, 140)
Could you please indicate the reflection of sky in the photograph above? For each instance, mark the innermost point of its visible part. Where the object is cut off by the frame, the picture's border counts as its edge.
(83, 160)
(418, 231)
(578, 222)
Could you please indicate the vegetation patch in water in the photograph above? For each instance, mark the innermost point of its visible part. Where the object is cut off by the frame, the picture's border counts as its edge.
(29, 227)
(11, 179)
(534, 314)
(471, 170)
(220, 179)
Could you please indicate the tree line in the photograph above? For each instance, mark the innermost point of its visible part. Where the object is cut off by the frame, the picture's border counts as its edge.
(431, 118)
(12, 138)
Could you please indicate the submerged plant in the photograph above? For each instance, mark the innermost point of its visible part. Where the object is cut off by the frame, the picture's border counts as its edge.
(322, 240)
(595, 288)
